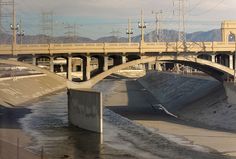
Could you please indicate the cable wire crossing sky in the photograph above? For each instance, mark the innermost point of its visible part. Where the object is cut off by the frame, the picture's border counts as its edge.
(96, 18)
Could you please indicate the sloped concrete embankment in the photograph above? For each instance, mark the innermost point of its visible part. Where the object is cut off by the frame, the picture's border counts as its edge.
(14, 92)
(198, 99)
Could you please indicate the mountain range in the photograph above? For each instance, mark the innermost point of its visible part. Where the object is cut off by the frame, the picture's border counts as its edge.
(166, 35)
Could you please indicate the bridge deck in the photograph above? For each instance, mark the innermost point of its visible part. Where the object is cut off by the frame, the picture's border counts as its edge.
(118, 48)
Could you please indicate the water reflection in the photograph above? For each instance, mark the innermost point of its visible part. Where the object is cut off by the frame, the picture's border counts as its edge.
(48, 124)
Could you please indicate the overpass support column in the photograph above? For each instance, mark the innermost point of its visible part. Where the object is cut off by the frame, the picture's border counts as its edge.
(158, 66)
(34, 61)
(123, 59)
(86, 68)
(51, 64)
(231, 62)
(105, 65)
(213, 58)
(149, 66)
(69, 68)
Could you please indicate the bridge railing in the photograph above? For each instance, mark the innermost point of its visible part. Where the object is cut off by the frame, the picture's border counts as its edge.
(116, 47)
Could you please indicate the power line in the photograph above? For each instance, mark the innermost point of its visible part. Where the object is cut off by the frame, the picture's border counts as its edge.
(210, 9)
(47, 26)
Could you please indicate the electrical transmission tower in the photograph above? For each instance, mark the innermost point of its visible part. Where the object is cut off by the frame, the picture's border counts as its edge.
(115, 34)
(47, 26)
(158, 16)
(181, 20)
(71, 32)
(3, 15)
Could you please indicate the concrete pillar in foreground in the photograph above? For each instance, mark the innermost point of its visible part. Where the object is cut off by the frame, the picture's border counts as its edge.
(51, 64)
(213, 58)
(86, 68)
(85, 109)
(231, 62)
(69, 68)
(105, 65)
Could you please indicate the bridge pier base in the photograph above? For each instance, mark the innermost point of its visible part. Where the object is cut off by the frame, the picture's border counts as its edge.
(149, 66)
(34, 61)
(69, 68)
(123, 59)
(51, 64)
(86, 68)
(158, 66)
(105, 63)
(231, 61)
(213, 58)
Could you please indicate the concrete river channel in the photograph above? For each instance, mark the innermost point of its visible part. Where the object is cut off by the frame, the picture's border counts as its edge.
(132, 129)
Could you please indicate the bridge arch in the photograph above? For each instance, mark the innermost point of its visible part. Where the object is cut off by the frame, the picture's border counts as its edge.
(114, 60)
(27, 59)
(205, 56)
(223, 59)
(132, 57)
(216, 70)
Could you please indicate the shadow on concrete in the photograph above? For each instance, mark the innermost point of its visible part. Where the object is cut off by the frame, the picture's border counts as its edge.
(9, 117)
(140, 107)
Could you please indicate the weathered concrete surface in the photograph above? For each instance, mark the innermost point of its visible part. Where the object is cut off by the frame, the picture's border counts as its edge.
(14, 92)
(85, 109)
(175, 91)
(201, 100)
(129, 99)
(18, 90)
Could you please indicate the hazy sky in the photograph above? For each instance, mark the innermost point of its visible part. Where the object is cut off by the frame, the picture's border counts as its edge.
(97, 18)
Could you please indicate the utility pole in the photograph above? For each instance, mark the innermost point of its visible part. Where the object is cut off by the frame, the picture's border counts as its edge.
(158, 16)
(129, 31)
(14, 27)
(20, 32)
(71, 31)
(47, 26)
(142, 26)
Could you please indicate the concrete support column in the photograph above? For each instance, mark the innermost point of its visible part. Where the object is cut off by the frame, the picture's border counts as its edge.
(158, 66)
(123, 59)
(34, 61)
(86, 68)
(69, 68)
(213, 58)
(177, 66)
(231, 62)
(149, 66)
(105, 63)
(51, 64)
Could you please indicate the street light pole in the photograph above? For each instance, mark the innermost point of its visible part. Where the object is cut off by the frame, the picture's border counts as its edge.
(142, 26)
(20, 32)
(129, 31)
(235, 61)
(234, 35)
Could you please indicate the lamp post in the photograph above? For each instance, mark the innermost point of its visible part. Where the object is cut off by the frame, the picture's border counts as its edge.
(20, 32)
(129, 31)
(142, 25)
(232, 34)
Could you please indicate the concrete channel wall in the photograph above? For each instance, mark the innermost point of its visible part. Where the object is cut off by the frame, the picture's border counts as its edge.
(18, 91)
(85, 109)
